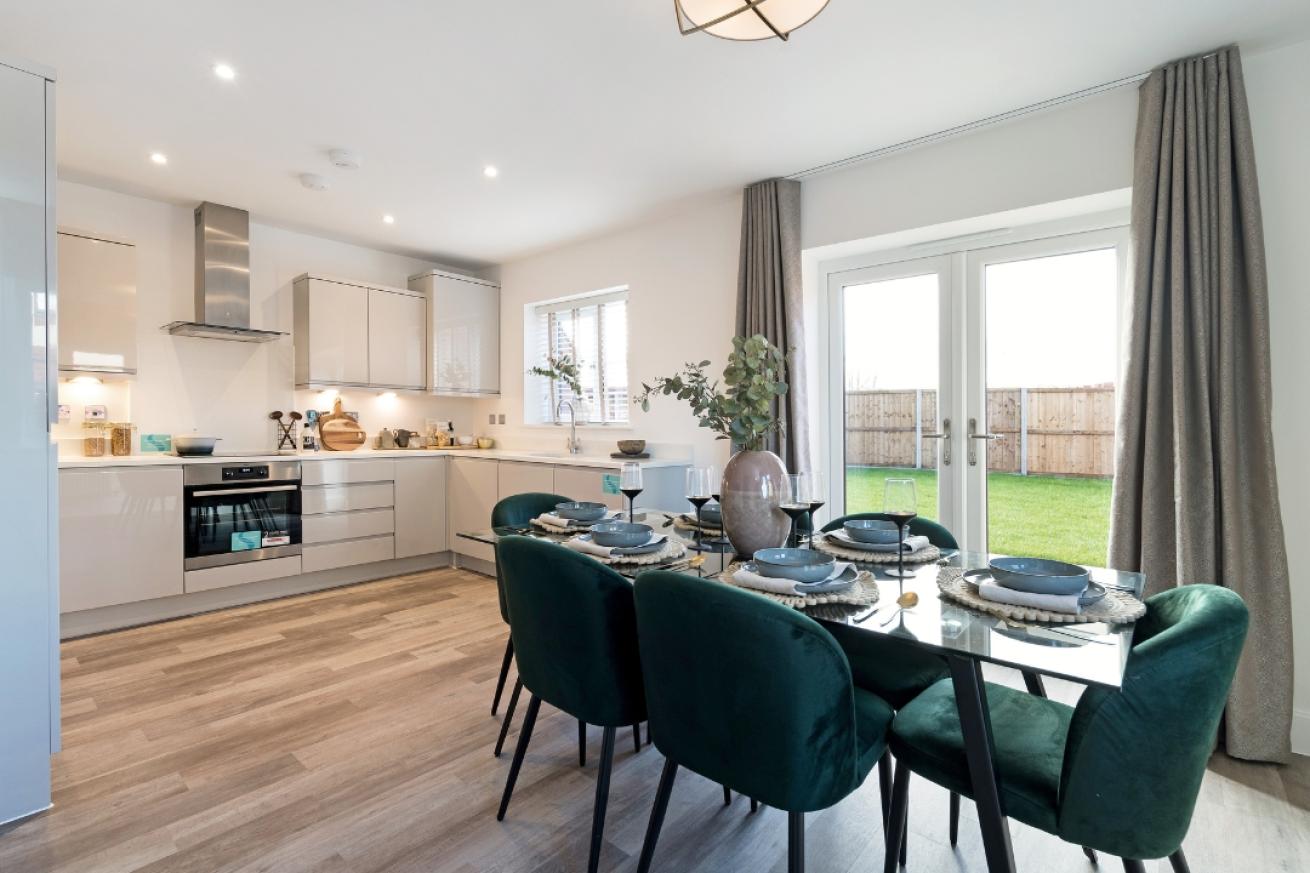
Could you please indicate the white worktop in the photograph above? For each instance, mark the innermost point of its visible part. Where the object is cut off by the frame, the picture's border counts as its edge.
(556, 459)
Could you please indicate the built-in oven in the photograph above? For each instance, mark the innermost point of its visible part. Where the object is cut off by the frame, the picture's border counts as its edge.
(240, 512)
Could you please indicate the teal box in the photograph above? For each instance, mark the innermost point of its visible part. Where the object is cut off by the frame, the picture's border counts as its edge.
(245, 540)
(609, 484)
(156, 442)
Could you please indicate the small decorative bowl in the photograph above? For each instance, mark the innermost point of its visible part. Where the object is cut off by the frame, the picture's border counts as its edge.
(872, 530)
(485, 442)
(1039, 575)
(712, 514)
(799, 565)
(620, 534)
(632, 447)
(580, 510)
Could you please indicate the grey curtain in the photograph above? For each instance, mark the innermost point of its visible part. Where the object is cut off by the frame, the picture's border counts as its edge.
(1195, 497)
(769, 299)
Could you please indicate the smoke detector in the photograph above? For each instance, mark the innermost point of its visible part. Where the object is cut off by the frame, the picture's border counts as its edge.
(344, 159)
(313, 181)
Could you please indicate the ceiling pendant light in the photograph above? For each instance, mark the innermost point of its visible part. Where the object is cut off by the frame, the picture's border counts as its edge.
(745, 19)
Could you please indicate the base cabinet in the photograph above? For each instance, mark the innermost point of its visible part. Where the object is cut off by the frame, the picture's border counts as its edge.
(474, 489)
(120, 536)
(421, 507)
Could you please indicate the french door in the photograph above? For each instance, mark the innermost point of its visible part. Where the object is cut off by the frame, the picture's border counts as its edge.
(988, 377)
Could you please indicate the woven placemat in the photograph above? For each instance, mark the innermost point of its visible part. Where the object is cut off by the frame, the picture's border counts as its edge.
(1116, 607)
(862, 592)
(828, 545)
(673, 548)
(688, 522)
(581, 527)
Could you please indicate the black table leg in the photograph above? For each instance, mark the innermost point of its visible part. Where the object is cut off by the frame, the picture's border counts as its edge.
(976, 726)
(1036, 687)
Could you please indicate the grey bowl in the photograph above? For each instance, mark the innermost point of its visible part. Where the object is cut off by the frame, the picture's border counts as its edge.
(712, 514)
(800, 565)
(580, 510)
(1039, 575)
(194, 445)
(632, 447)
(872, 530)
(620, 534)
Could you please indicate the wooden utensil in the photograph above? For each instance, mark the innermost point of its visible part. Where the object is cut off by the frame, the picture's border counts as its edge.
(339, 432)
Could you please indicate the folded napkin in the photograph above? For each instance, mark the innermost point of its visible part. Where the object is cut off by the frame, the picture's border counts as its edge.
(587, 547)
(911, 544)
(990, 589)
(746, 579)
(553, 522)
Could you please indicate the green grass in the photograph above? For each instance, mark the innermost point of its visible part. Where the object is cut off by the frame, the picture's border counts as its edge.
(1033, 516)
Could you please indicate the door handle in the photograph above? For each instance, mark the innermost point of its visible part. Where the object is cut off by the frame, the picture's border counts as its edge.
(945, 436)
(974, 436)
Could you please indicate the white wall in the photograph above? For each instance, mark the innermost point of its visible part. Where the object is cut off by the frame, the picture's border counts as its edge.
(218, 388)
(1280, 116)
(681, 272)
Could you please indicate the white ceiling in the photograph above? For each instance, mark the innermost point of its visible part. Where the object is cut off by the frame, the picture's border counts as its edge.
(596, 112)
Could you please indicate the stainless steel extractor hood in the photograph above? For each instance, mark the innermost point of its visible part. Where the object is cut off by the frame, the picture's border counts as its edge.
(222, 278)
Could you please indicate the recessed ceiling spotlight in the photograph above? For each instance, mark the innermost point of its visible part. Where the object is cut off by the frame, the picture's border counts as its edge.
(313, 181)
(158, 158)
(388, 219)
(490, 172)
(345, 159)
(225, 72)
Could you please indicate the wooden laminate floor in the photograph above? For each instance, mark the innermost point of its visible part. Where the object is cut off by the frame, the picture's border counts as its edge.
(349, 732)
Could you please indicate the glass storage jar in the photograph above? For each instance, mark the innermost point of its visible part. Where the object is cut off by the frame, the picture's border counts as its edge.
(120, 438)
(94, 439)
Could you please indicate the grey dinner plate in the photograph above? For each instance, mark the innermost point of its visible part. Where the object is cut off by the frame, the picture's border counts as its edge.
(843, 539)
(633, 550)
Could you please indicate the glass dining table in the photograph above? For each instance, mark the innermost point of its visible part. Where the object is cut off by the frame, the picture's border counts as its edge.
(1085, 653)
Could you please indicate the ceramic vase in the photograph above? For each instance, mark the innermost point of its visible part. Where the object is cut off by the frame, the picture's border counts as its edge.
(749, 494)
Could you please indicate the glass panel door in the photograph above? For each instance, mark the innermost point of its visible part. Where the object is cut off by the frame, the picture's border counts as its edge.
(1039, 435)
(893, 353)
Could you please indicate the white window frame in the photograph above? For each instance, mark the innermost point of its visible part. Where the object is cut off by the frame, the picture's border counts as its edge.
(536, 356)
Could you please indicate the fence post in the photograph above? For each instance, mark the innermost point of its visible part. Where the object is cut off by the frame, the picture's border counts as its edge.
(1023, 431)
(918, 428)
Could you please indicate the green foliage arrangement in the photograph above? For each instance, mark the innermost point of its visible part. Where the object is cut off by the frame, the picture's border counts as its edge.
(561, 369)
(744, 412)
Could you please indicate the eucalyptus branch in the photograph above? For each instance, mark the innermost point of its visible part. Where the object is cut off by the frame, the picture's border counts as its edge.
(561, 369)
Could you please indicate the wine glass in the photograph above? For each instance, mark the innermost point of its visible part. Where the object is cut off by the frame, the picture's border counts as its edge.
(795, 500)
(630, 485)
(698, 494)
(901, 505)
(818, 497)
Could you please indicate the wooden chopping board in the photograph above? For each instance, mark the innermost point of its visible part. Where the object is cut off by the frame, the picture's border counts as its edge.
(339, 432)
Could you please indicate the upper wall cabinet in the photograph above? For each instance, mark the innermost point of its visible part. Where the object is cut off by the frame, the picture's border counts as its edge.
(352, 334)
(465, 335)
(97, 305)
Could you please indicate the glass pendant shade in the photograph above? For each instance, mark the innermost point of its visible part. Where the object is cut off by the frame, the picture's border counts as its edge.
(746, 19)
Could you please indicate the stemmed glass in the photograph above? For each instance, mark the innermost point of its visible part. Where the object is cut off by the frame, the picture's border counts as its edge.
(795, 500)
(900, 504)
(630, 485)
(818, 497)
(698, 494)
(715, 484)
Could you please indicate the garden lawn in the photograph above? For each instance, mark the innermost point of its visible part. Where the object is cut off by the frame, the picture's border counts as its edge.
(1033, 516)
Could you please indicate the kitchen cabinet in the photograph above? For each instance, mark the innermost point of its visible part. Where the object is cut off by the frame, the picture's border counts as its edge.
(397, 339)
(318, 499)
(421, 507)
(331, 332)
(464, 314)
(97, 305)
(473, 491)
(120, 536)
(522, 477)
(590, 483)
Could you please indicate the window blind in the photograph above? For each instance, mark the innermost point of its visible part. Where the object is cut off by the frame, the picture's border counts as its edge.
(593, 331)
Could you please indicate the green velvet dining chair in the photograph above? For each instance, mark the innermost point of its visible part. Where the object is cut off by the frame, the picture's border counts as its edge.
(1119, 772)
(753, 695)
(575, 640)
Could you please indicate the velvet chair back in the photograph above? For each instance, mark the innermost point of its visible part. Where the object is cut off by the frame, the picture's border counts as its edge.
(516, 511)
(938, 535)
(746, 692)
(574, 631)
(1134, 758)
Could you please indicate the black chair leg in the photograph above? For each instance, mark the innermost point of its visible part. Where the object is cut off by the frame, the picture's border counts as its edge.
(1091, 856)
(885, 787)
(754, 805)
(727, 796)
(955, 818)
(795, 842)
(905, 832)
(509, 716)
(1131, 866)
(1179, 862)
(602, 798)
(636, 737)
(525, 736)
(582, 743)
(899, 817)
(657, 815)
(504, 673)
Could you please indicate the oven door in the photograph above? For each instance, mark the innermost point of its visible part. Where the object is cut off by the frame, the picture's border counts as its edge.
(233, 524)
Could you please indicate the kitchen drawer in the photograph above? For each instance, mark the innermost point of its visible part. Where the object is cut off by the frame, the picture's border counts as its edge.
(345, 472)
(241, 574)
(329, 556)
(318, 499)
(347, 525)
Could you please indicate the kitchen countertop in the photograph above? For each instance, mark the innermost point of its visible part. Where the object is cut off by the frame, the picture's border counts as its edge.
(559, 459)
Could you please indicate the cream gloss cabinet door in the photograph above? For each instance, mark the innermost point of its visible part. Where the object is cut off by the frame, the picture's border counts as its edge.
(465, 337)
(120, 536)
(590, 483)
(521, 477)
(397, 339)
(474, 489)
(420, 506)
(97, 305)
(331, 332)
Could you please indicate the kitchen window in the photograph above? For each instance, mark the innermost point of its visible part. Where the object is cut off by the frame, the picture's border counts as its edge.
(592, 330)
